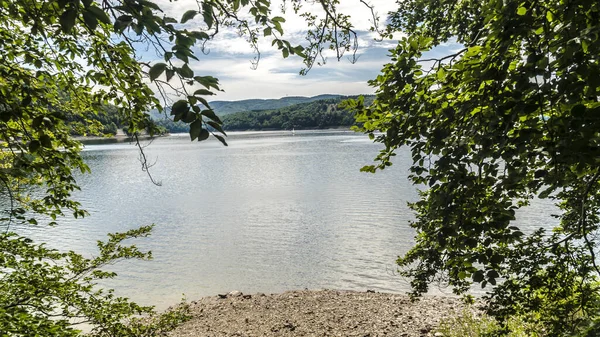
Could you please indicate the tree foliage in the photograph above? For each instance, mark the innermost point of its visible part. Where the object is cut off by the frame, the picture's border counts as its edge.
(51, 293)
(512, 115)
(62, 63)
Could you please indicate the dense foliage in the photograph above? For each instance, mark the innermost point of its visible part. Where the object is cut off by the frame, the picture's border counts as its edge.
(62, 63)
(314, 115)
(512, 115)
(103, 122)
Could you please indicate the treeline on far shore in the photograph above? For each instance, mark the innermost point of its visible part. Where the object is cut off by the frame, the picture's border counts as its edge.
(320, 114)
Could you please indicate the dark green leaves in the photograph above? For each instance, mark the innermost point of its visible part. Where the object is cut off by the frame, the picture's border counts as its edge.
(221, 139)
(185, 71)
(122, 23)
(156, 70)
(99, 14)
(34, 145)
(67, 19)
(188, 16)
(207, 14)
(203, 135)
(90, 20)
(208, 81)
(478, 276)
(196, 129)
(203, 92)
(179, 107)
(211, 114)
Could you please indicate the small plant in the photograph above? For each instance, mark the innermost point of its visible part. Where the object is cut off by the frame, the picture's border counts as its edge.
(468, 323)
(471, 323)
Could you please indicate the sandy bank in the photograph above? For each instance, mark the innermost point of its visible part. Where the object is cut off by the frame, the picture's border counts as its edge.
(316, 313)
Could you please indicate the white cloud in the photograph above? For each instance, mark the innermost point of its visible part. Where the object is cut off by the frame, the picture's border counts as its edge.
(230, 56)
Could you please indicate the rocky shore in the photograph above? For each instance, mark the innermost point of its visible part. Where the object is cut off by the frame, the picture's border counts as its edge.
(317, 313)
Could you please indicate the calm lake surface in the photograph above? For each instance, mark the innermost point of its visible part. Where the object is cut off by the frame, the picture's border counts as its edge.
(271, 212)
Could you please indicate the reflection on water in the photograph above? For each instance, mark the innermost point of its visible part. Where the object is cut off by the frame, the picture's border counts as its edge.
(271, 212)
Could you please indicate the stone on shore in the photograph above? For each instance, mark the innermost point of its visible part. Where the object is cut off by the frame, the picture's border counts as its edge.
(317, 313)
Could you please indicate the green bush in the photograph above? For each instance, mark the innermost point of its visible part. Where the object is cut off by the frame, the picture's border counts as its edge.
(473, 323)
(49, 293)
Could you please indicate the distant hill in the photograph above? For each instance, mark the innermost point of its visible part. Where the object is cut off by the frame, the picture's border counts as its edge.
(274, 114)
(222, 108)
(319, 114)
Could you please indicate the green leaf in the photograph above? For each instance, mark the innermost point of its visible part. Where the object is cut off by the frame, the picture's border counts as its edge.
(90, 20)
(211, 114)
(267, 31)
(188, 116)
(46, 141)
(67, 20)
(207, 14)
(208, 81)
(195, 129)
(203, 92)
(188, 16)
(99, 14)
(169, 73)
(285, 52)
(157, 70)
(199, 35)
(182, 56)
(204, 134)
(122, 23)
(34, 145)
(216, 126)
(179, 107)
(221, 139)
(186, 72)
(521, 10)
(478, 276)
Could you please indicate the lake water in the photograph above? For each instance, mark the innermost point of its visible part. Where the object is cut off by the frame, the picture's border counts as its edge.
(271, 212)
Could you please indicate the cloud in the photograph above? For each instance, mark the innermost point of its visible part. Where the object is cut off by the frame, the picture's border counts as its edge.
(230, 56)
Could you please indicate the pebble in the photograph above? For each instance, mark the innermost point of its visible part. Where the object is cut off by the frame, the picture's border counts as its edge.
(317, 313)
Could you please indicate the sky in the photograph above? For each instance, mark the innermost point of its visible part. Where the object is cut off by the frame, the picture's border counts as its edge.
(230, 56)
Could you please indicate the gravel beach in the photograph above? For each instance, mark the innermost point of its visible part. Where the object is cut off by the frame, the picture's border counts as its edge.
(316, 313)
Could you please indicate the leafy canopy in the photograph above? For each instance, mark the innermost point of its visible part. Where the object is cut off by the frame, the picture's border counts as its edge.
(512, 115)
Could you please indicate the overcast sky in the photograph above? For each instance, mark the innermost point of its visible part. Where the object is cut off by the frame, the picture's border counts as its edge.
(230, 58)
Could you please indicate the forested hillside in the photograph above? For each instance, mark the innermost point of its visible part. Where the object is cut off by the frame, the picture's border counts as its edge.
(222, 108)
(311, 114)
(319, 114)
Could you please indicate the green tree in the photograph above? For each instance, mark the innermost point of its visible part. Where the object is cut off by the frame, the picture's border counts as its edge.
(65, 61)
(513, 115)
